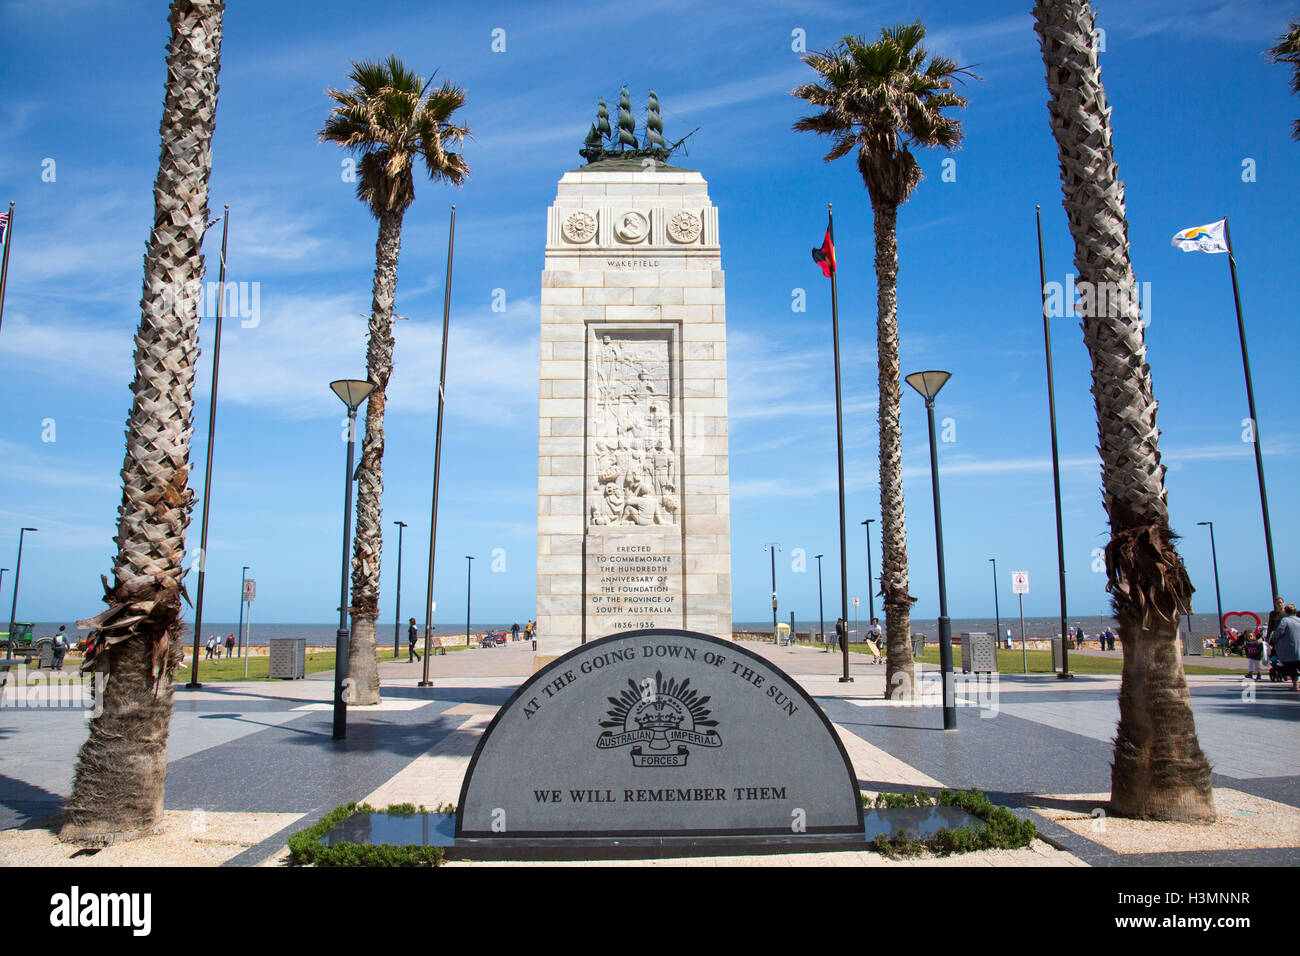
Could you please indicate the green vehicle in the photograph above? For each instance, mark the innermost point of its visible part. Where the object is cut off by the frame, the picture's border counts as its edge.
(22, 635)
(24, 646)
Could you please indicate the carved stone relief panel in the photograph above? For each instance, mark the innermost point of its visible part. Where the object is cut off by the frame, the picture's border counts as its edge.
(632, 440)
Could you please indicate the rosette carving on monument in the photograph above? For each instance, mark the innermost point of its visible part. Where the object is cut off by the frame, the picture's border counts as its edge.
(579, 226)
(684, 227)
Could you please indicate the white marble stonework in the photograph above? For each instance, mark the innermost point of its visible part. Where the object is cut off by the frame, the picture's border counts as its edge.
(633, 521)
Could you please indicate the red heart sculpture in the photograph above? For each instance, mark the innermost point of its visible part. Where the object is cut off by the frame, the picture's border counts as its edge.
(1250, 614)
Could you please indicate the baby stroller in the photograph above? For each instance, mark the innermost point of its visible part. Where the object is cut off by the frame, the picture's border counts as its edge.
(1276, 672)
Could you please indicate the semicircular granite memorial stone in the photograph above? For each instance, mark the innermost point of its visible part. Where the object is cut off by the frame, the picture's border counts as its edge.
(659, 733)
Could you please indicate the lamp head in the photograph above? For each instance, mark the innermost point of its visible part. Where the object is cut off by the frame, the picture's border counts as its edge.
(352, 391)
(29, 529)
(928, 383)
(1205, 522)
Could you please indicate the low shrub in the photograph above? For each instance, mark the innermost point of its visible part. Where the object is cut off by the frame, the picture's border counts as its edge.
(1000, 830)
(305, 848)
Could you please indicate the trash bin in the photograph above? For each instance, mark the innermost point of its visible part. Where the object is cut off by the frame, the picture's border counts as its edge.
(978, 653)
(47, 654)
(783, 634)
(288, 658)
(1057, 653)
(918, 646)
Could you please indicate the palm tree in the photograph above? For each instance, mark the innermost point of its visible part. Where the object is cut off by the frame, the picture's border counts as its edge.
(386, 118)
(1159, 771)
(117, 793)
(1288, 51)
(883, 99)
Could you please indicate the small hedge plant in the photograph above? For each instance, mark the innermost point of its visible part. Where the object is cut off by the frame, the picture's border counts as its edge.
(1001, 829)
(305, 848)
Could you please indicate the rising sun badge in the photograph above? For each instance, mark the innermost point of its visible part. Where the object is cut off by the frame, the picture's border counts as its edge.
(661, 714)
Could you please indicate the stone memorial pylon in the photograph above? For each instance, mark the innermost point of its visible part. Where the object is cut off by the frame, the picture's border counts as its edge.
(633, 523)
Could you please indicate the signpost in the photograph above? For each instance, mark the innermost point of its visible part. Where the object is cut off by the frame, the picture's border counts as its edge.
(250, 592)
(1020, 587)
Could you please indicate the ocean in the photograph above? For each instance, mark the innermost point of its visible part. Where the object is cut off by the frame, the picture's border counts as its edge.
(1203, 625)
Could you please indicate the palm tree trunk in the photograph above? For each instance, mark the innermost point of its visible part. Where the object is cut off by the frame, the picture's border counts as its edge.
(117, 792)
(1159, 771)
(369, 541)
(900, 677)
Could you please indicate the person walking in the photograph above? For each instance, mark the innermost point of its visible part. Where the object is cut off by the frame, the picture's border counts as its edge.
(514, 631)
(411, 636)
(1254, 655)
(841, 633)
(876, 640)
(211, 646)
(1286, 644)
(1274, 616)
(230, 646)
(60, 647)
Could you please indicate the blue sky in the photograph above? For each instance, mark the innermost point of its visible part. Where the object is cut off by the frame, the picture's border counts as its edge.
(1193, 97)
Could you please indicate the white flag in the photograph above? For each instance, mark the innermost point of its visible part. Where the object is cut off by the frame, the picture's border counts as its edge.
(1202, 238)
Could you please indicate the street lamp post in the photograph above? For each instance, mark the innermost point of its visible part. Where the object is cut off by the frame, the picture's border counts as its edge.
(997, 612)
(207, 471)
(871, 591)
(437, 457)
(469, 574)
(1214, 554)
(774, 548)
(352, 392)
(243, 576)
(1056, 457)
(397, 614)
(821, 614)
(18, 570)
(928, 385)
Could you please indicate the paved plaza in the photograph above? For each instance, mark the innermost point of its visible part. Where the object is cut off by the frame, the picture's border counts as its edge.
(1034, 743)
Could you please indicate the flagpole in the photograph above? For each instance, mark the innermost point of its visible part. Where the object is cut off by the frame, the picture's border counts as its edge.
(1056, 459)
(207, 472)
(839, 452)
(1250, 401)
(437, 458)
(4, 269)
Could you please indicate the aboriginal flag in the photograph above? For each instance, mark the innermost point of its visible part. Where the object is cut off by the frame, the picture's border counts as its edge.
(825, 256)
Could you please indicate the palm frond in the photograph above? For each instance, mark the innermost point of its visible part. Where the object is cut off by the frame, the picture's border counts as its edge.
(390, 117)
(880, 98)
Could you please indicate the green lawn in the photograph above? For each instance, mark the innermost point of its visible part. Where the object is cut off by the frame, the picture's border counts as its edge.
(1040, 662)
(259, 667)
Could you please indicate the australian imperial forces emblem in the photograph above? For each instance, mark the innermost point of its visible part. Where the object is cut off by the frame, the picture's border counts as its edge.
(662, 718)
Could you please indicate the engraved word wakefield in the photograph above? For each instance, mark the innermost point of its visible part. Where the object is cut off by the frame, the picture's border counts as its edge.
(659, 733)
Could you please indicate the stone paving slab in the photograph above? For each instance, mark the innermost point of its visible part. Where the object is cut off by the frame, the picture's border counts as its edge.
(265, 747)
(1246, 822)
(188, 838)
